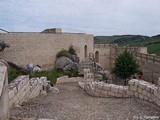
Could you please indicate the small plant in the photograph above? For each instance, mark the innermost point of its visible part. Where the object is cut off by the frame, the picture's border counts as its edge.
(12, 74)
(64, 53)
(72, 50)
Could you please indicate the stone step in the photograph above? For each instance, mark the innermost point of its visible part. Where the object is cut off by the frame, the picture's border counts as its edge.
(86, 64)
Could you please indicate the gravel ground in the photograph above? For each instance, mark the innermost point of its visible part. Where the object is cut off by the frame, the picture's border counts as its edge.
(72, 103)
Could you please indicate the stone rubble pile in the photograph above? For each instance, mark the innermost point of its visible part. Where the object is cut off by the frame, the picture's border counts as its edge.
(22, 89)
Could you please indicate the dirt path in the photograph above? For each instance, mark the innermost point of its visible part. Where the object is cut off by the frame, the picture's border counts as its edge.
(72, 103)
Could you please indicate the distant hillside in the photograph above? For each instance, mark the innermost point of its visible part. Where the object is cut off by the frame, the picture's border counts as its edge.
(152, 43)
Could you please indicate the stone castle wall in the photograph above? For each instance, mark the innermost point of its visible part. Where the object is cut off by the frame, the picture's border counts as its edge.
(104, 54)
(41, 48)
(149, 64)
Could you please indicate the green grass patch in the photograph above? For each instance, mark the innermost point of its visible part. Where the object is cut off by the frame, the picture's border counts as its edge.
(52, 75)
(154, 48)
(12, 74)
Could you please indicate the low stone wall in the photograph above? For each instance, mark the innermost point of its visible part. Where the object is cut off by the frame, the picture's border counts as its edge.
(4, 97)
(136, 88)
(101, 89)
(22, 89)
(145, 91)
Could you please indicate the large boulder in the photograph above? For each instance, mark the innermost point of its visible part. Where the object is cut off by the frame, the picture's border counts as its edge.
(31, 68)
(65, 63)
(75, 58)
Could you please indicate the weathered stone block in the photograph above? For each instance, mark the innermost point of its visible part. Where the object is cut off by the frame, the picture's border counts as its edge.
(96, 94)
(141, 96)
(158, 95)
(107, 87)
(146, 98)
(106, 96)
(142, 85)
(90, 92)
(148, 94)
(133, 88)
(131, 93)
(101, 95)
(155, 93)
(139, 90)
(150, 99)
(136, 94)
(114, 89)
(98, 90)
(153, 98)
(158, 102)
(148, 88)
(144, 92)
(121, 90)
(110, 93)
(125, 89)
(118, 95)
(131, 82)
(95, 84)
(125, 95)
(104, 92)
(136, 83)
(100, 86)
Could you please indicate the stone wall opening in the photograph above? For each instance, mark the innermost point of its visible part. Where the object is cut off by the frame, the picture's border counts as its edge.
(97, 56)
(85, 51)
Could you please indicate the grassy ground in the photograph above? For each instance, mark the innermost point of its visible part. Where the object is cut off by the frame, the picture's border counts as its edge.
(154, 48)
(51, 75)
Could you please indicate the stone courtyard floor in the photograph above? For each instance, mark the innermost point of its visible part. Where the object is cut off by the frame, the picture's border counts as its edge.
(72, 103)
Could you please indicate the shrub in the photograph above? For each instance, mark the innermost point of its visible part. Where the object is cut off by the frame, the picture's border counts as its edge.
(125, 66)
(72, 50)
(64, 53)
(12, 74)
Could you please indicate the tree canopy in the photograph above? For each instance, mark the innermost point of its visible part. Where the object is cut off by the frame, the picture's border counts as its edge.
(125, 66)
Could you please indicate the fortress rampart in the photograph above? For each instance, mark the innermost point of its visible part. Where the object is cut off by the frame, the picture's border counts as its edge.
(41, 48)
(149, 64)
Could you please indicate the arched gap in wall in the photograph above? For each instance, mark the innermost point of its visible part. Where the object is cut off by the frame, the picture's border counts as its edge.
(97, 56)
(85, 51)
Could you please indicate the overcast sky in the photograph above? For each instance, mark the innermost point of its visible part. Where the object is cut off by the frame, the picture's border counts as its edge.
(98, 17)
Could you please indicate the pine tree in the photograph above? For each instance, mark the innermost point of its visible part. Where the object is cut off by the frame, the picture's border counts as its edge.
(125, 66)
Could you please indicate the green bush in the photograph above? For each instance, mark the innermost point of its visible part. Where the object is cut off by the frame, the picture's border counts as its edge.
(12, 74)
(125, 66)
(64, 53)
(72, 50)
